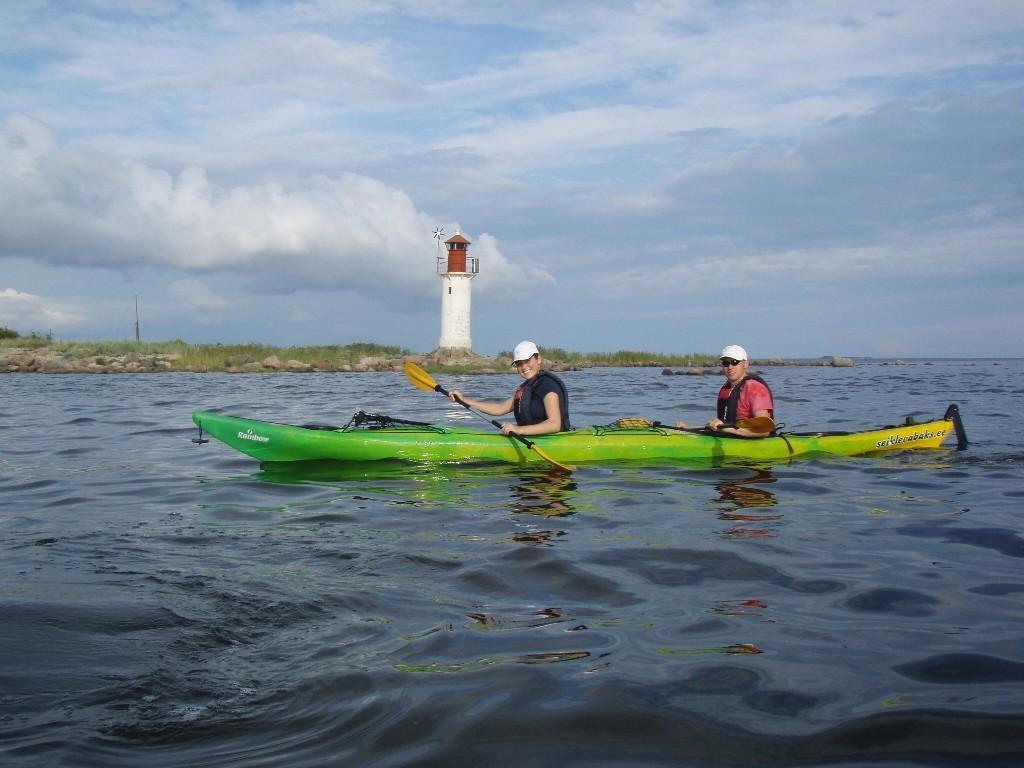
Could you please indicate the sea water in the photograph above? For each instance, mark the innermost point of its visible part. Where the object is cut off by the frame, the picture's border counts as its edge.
(164, 603)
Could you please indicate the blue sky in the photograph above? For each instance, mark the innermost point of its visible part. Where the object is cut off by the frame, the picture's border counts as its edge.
(802, 178)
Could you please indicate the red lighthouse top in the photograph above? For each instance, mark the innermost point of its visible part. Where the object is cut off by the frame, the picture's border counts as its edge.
(457, 247)
(457, 258)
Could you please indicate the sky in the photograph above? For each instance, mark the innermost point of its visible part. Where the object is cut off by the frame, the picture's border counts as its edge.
(801, 178)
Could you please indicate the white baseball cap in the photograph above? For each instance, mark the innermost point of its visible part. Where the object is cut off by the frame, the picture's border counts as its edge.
(524, 351)
(734, 351)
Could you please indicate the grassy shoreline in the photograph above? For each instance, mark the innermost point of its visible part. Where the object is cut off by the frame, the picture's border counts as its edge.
(177, 355)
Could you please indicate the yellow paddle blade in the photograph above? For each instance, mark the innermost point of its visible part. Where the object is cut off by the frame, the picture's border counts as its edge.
(536, 449)
(757, 424)
(419, 377)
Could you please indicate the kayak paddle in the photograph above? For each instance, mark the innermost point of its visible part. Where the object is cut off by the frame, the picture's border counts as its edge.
(755, 424)
(423, 380)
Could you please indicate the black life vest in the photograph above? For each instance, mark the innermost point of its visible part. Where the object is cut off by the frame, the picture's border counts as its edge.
(529, 408)
(727, 405)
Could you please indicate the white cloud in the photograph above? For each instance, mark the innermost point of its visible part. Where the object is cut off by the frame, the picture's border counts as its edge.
(499, 276)
(26, 312)
(656, 68)
(350, 232)
(906, 263)
(299, 65)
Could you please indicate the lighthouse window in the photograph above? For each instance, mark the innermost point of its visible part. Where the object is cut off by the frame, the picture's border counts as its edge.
(449, 290)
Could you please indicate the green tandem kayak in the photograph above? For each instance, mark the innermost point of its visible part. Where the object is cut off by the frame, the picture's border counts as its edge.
(378, 438)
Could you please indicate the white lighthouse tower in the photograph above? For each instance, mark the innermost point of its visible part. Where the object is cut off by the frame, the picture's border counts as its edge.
(456, 269)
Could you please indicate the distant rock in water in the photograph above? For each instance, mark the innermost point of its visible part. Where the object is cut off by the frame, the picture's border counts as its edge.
(835, 362)
(688, 371)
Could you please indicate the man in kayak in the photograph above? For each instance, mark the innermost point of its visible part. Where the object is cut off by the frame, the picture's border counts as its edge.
(540, 405)
(743, 396)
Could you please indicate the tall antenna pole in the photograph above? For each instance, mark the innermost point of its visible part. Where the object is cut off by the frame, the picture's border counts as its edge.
(137, 317)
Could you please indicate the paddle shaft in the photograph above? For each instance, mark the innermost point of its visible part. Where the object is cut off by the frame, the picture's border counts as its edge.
(752, 424)
(495, 422)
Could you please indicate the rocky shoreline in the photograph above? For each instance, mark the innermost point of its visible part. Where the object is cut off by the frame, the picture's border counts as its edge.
(45, 360)
(23, 360)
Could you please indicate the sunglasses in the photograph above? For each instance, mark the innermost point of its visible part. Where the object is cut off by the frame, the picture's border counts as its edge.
(727, 363)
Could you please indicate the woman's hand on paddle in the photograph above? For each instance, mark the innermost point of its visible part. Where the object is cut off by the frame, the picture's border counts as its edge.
(456, 397)
(509, 429)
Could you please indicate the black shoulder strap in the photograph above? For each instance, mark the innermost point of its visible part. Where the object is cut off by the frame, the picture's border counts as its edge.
(563, 401)
(727, 408)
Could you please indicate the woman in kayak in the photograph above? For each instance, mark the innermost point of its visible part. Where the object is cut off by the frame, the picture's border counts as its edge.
(743, 396)
(540, 405)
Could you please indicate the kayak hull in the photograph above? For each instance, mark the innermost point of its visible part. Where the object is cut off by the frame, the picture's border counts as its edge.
(273, 442)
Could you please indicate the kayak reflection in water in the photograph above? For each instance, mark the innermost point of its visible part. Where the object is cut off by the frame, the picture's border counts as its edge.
(540, 405)
(743, 396)
(544, 492)
(742, 500)
(745, 493)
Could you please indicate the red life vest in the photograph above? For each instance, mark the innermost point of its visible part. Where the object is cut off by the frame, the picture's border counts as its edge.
(729, 404)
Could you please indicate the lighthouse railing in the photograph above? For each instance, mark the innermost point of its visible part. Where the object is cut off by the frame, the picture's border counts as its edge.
(472, 266)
